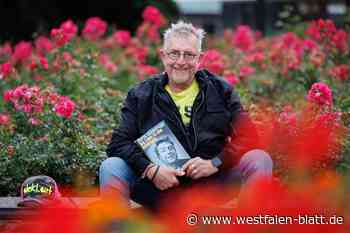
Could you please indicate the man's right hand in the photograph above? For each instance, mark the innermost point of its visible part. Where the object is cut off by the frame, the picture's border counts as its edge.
(165, 177)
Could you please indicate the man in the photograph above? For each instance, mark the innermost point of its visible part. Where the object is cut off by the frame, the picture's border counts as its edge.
(203, 112)
(167, 154)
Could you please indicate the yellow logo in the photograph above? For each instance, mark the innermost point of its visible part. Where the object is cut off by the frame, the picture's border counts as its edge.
(37, 188)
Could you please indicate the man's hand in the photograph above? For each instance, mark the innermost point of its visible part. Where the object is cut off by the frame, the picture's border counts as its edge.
(165, 177)
(198, 167)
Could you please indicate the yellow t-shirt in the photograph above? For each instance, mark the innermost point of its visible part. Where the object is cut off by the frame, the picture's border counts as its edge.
(184, 100)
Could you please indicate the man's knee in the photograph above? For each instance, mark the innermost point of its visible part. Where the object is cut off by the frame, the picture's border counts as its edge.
(259, 158)
(115, 178)
(114, 167)
(112, 163)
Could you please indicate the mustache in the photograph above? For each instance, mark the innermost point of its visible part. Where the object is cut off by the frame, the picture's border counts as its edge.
(185, 67)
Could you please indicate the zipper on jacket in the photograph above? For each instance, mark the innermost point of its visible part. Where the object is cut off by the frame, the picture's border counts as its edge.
(192, 122)
(177, 114)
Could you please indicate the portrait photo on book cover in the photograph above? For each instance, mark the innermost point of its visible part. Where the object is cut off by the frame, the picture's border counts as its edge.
(168, 154)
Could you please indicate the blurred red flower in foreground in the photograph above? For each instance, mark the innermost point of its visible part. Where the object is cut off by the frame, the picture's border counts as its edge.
(61, 216)
(318, 142)
(295, 202)
(201, 199)
(301, 140)
(270, 205)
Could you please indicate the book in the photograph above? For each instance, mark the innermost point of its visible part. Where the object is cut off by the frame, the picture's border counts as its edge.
(162, 147)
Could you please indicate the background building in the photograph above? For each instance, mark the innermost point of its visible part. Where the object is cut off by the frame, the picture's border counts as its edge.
(263, 15)
(24, 19)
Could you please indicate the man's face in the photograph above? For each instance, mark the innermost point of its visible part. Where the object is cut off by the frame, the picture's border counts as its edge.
(167, 152)
(181, 59)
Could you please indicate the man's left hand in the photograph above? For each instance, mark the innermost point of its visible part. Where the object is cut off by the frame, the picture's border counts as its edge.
(198, 167)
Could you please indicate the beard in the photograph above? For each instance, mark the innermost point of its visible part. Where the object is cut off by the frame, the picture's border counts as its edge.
(181, 75)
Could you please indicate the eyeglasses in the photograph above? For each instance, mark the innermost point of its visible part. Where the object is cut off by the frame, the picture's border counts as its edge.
(175, 55)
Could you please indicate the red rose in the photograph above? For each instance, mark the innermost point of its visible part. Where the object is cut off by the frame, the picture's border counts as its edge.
(23, 51)
(43, 45)
(94, 28)
(153, 15)
(122, 38)
(69, 28)
(5, 70)
(59, 36)
(64, 107)
(4, 119)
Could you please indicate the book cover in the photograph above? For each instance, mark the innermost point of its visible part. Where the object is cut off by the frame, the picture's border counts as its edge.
(162, 147)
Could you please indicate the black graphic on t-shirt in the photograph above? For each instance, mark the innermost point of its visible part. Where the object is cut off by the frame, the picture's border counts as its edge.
(188, 111)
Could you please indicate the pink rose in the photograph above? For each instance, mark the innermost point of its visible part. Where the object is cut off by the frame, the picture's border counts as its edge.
(340, 72)
(43, 45)
(340, 40)
(122, 38)
(64, 107)
(94, 28)
(23, 51)
(44, 63)
(153, 15)
(34, 121)
(5, 70)
(246, 71)
(243, 38)
(69, 28)
(4, 119)
(232, 79)
(59, 36)
(213, 60)
(320, 94)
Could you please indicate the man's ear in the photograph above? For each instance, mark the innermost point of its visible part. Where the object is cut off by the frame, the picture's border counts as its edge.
(162, 53)
(199, 59)
(162, 56)
(201, 54)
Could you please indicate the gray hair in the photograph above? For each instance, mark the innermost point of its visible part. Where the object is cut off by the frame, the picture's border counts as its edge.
(182, 29)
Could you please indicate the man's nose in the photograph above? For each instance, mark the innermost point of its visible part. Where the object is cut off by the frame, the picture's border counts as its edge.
(181, 59)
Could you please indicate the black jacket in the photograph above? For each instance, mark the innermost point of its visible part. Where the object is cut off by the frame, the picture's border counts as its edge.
(214, 112)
